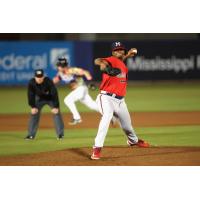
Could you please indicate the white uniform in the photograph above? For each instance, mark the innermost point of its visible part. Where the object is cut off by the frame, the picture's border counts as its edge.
(108, 106)
(79, 94)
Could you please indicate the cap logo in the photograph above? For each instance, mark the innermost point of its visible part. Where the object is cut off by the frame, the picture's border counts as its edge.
(117, 44)
(39, 72)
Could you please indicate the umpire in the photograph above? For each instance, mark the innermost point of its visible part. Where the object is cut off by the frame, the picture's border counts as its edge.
(42, 91)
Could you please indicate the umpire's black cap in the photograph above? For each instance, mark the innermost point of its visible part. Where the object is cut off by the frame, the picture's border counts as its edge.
(39, 73)
(117, 46)
(62, 62)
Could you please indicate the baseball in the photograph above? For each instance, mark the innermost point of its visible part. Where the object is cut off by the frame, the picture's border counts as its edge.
(134, 51)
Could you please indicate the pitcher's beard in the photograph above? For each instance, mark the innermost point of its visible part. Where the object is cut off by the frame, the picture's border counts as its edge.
(119, 55)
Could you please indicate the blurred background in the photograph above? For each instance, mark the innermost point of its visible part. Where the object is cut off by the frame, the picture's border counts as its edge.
(162, 95)
(160, 56)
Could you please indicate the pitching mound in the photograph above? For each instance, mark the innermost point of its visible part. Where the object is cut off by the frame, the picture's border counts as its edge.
(111, 156)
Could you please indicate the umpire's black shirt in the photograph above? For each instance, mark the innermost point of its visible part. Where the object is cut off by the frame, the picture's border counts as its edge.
(46, 91)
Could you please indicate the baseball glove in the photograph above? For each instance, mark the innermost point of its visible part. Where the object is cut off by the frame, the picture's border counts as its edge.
(111, 71)
(92, 86)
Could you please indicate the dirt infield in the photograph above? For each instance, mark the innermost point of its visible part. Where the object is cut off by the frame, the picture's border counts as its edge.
(111, 156)
(19, 122)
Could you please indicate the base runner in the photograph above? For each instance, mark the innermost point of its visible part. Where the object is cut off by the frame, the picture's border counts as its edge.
(111, 98)
(74, 77)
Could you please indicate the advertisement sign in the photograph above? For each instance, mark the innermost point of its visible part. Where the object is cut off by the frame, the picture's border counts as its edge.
(18, 60)
(158, 60)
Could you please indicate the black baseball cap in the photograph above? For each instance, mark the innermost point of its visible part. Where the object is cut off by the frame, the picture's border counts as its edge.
(117, 46)
(62, 62)
(39, 73)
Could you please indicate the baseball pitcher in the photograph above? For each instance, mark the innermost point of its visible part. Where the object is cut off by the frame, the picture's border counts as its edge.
(111, 101)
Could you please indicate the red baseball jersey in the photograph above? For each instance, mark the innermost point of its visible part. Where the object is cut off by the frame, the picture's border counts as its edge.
(115, 84)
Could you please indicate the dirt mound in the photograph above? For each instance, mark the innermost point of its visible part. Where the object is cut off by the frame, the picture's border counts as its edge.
(111, 156)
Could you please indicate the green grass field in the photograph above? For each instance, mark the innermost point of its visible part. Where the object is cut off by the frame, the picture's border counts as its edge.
(140, 98)
(12, 143)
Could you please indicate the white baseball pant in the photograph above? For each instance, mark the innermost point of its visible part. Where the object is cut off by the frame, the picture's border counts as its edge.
(79, 94)
(108, 106)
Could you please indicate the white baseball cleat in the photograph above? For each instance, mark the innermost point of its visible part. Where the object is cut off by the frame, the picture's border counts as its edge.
(75, 121)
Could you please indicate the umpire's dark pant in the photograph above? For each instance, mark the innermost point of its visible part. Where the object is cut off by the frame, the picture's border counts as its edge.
(34, 120)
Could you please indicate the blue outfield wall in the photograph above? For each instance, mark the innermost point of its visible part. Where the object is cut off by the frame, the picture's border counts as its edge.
(156, 60)
(18, 60)
(83, 55)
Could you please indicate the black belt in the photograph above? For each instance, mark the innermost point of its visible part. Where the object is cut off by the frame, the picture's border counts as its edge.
(113, 95)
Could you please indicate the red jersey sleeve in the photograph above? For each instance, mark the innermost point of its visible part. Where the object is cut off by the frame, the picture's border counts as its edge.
(108, 59)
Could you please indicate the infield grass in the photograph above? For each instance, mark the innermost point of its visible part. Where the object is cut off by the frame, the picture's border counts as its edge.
(12, 143)
(177, 96)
